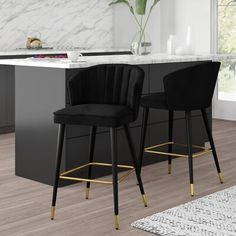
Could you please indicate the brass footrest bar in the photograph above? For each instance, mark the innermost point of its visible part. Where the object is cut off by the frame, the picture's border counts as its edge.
(196, 154)
(122, 178)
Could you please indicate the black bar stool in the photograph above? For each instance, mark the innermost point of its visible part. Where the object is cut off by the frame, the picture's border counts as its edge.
(184, 90)
(107, 96)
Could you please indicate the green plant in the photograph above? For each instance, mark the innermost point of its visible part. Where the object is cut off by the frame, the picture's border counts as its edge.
(139, 11)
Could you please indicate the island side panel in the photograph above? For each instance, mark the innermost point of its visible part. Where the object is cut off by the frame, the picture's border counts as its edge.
(7, 101)
(38, 93)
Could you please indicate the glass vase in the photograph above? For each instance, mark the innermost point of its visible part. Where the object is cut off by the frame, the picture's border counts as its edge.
(141, 44)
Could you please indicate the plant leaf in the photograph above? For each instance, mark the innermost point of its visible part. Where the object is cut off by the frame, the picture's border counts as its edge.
(154, 3)
(140, 6)
(119, 1)
(125, 2)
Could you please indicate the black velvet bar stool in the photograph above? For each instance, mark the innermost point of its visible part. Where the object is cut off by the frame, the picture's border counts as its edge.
(102, 96)
(185, 90)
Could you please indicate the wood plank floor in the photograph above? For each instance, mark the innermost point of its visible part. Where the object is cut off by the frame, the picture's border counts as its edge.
(25, 204)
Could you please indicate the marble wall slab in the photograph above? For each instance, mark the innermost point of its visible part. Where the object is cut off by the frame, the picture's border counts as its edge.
(61, 23)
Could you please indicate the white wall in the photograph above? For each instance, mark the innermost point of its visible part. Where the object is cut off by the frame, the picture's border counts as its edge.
(125, 28)
(197, 15)
(170, 17)
(89, 23)
(167, 22)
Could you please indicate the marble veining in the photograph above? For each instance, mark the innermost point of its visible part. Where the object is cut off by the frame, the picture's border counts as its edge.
(74, 23)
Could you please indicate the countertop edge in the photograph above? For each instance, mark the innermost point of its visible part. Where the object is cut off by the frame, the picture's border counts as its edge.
(126, 59)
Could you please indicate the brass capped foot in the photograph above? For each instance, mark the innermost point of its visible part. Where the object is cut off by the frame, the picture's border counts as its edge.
(145, 200)
(192, 190)
(53, 209)
(87, 193)
(169, 169)
(117, 222)
(221, 178)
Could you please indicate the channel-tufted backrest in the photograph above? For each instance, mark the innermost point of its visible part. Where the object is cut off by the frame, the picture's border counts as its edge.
(191, 88)
(116, 84)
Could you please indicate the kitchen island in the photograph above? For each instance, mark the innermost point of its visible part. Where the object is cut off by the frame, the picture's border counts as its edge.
(7, 87)
(41, 89)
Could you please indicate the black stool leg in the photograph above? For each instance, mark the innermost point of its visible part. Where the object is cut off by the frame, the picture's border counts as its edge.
(143, 136)
(204, 115)
(61, 133)
(190, 151)
(170, 139)
(132, 151)
(113, 133)
(91, 153)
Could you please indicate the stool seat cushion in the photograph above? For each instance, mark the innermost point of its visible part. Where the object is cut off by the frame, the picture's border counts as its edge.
(94, 115)
(155, 100)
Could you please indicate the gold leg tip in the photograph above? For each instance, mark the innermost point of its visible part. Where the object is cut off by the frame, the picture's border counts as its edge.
(87, 193)
(169, 169)
(145, 201)
(192, 190)
(53, 209)
(117, 222)
(221, 178)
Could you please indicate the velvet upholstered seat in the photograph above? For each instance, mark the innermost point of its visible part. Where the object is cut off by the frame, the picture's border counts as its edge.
(95, 114)
(107, 96)
(155, 100)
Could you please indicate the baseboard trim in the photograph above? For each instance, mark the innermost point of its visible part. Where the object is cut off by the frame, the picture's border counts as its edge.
(7, 129)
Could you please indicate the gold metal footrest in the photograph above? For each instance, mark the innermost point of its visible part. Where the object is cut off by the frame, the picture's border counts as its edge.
(122, 178)
(152, 149)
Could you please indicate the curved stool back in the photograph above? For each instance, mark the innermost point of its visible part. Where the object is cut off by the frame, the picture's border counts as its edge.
(191, 88)
(116, 84)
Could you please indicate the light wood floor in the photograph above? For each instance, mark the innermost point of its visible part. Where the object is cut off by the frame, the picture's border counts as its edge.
(25, 204)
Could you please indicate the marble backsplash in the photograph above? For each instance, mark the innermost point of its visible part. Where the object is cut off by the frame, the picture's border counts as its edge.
(61, 23)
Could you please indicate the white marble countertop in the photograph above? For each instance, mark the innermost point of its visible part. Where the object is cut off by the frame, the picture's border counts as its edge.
(88, 61)
(45, 51)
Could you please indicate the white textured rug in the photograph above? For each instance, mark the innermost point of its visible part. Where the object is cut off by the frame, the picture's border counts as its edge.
(213, 215)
